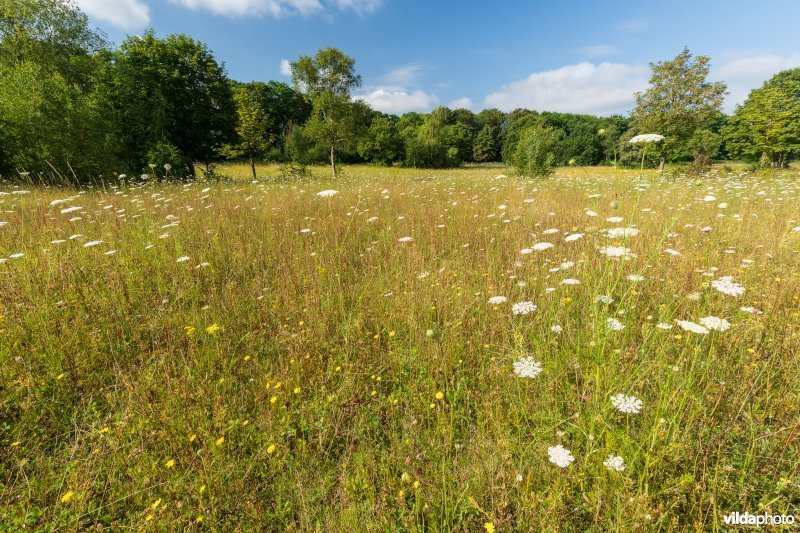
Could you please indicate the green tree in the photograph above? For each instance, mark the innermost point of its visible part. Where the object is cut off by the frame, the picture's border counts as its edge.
(171, 90)
(679, 101)
(486, 144)
(252, 129)
(767, 125)
(537, 151)
(382, 143)
(327, 79)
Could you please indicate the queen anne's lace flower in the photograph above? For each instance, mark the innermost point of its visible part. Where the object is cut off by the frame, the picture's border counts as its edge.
(560, 456)
(630, 405)
(727, 286)
(715, 323)
(523, 308)
(615, 463)
(527, 367)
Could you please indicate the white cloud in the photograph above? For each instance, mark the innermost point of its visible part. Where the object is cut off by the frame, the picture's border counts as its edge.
(748, 71)
(598, 50)
(359, 6)
(239, 8)
(276, 8)
(286, 68)
(460, 103)
(600, 89)
(404, 75)
(124, 14)
(398, 100)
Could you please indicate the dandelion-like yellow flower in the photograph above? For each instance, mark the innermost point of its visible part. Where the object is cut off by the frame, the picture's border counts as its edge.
(67, 497)
(213, 329)
(489, 527)
(270, 449)
(189, 330)
(170, 463)
(220, 441)
(440, 395)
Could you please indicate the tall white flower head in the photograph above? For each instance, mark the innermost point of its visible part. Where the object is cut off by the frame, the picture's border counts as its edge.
(629, 405)
(691, 326)
(614, 325)
(560, 456)
(497, 300)
(542, 246)
(327, 193)
(527, 367)
(727, 286)
(615, 463)
(523, 308)
(646, 138)
(715, 323)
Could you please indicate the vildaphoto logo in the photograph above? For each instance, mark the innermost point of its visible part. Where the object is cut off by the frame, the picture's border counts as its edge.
(747, 519)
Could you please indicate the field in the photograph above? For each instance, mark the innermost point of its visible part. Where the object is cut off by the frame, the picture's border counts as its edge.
(242, 355)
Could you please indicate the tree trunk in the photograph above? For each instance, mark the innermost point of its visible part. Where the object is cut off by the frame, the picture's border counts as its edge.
(253, 166)
(662, 162)
(191, 169)
(333, 159)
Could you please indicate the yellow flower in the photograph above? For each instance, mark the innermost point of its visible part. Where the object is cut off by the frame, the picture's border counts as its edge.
(220, 441)
(15, 444)
(170, 463)
(440, 395)
(189, 330)
(273, 399)
(297, 390)
(271, 449)
(489, 527)
(213, 329)
(416, 484)
(66, 498)
(155, 504)
(192, 438)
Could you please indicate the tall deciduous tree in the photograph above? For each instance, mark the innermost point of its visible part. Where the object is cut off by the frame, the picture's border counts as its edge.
(679, 101)
(252, 128)
(172, 90)
(767, 124)
(328, 79)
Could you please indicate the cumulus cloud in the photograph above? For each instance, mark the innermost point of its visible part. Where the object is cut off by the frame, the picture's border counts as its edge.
(124, 14)
(286, 68)
(397, 100)
(599, 89)
(744, 72)
(276, 8)
(460, 103)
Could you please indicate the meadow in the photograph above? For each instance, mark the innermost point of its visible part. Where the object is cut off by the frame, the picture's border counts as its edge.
(401, 350)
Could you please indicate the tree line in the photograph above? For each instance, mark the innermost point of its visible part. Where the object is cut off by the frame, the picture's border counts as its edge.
(73, 106)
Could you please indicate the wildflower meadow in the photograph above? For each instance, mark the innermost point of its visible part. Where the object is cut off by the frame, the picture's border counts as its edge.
(400, 350)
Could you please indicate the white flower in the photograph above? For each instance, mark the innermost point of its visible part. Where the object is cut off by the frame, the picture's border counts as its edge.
(691, 326)
(182, 259)
(70, 210)
(92, 243)
(405, 239)
(630, 405)
(573, 237)
(570, 281)
(646, 138)
(615, 463)
(16, 256)
(751, 309)
(541, 246)
(619, 233)
(523, 308)
(526, 251)
(614, 220)
(715, 323)
(635, 277)
(590, 213)
(327, 193)
(616, 251)
(614, 325)
(709, 198)
(305, 230)
(727, 286)
(527, 367)
(423, 275)
(670, 251)
(663, 325)
(604, 298)
(497, 300)
(556, 329)
(560, 456)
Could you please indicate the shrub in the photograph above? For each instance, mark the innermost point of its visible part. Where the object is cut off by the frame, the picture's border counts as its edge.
(536, 152)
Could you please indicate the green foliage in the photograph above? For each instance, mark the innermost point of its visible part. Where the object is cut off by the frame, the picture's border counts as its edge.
(437, 143)
(382, 143)
(327, 80)
(486, 145)
(679, 101)
(165, 160)
(171, 90)
(252, 129)
(766, 126)
(537, 150)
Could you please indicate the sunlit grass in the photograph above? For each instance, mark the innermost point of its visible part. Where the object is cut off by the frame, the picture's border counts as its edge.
(302, 368)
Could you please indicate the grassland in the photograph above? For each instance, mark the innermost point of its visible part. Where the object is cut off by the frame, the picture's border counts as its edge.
(244, 355)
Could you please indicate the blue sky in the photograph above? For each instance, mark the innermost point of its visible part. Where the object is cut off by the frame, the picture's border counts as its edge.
(413, 55)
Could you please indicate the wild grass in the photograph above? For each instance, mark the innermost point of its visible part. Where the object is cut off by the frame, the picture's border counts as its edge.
(338, 379)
